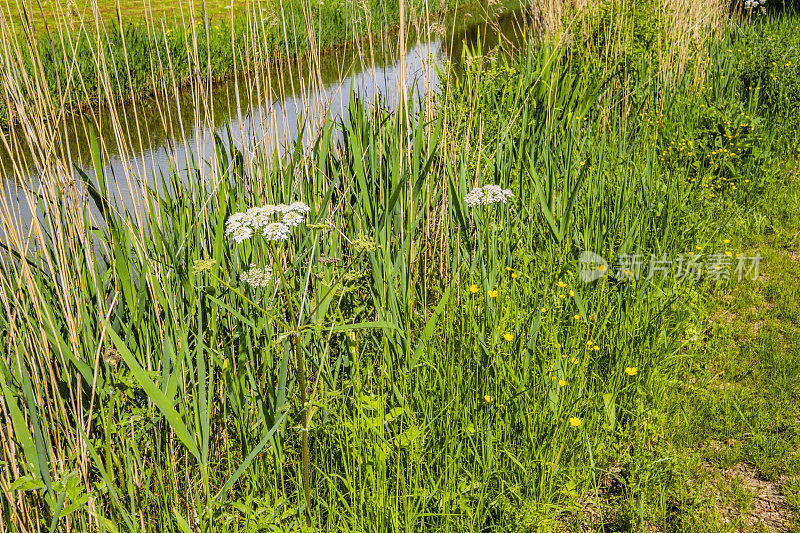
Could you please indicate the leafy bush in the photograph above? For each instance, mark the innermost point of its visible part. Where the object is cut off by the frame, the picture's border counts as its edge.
(720, 149)
(769, 66)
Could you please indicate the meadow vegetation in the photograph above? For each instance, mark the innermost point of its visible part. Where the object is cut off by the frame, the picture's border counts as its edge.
(380, 347)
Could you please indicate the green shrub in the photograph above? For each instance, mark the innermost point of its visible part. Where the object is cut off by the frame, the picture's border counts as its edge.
(769, 66)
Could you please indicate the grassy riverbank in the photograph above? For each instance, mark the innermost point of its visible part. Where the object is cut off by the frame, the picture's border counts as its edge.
(74, 56)
(81, 13)
(407, 359)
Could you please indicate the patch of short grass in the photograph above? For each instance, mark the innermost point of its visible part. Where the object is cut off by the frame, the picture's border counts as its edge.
(737, 404)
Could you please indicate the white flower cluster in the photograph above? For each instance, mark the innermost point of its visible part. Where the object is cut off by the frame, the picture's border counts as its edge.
(488, 194)
(262, 220)
(257, 276)
(752, 4)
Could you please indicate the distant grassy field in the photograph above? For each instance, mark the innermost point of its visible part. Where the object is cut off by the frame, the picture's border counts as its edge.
(54, 13)
(72, 14)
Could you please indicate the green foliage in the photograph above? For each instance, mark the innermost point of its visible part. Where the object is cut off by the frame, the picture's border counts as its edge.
(629, 35)
(768, 66)
(423, 364)
(722, 149)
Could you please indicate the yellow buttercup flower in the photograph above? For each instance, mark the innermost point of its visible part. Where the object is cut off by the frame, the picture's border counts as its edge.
(561, 284)
(508, 336)
(488, 399)
(577, 317)
(509, 269)
(561, 382)
(474, 288)
(596, 348)
(726, 241)
(492, 294)
(630, 370)
(514, 275)
(571, 292)
(589, 344)
(574, 421)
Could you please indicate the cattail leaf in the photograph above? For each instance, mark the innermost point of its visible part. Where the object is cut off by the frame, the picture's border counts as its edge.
(156, 395)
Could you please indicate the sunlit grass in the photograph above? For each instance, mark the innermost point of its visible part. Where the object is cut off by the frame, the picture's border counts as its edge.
(419, 351)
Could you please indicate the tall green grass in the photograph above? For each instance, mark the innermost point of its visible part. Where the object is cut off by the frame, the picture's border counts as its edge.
(416, 364)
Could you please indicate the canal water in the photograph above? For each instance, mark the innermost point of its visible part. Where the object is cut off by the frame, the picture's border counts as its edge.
(265, 110)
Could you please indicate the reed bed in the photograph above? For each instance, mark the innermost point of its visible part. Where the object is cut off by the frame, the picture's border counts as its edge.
(343, 334)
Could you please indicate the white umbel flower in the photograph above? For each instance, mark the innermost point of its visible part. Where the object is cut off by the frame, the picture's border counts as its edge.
(261, 216)
(488, 194)
(299, 207)
(236, 221)
(257, 276)
(293, 219)
(239, 233)
(272, 221)
(276, 231)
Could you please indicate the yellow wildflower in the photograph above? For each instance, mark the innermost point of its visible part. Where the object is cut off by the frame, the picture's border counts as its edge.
(508, 336)
(488, 399)
(574, 421)
(561, 382)
(492, 294)
(630, 370)
(474, 288)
